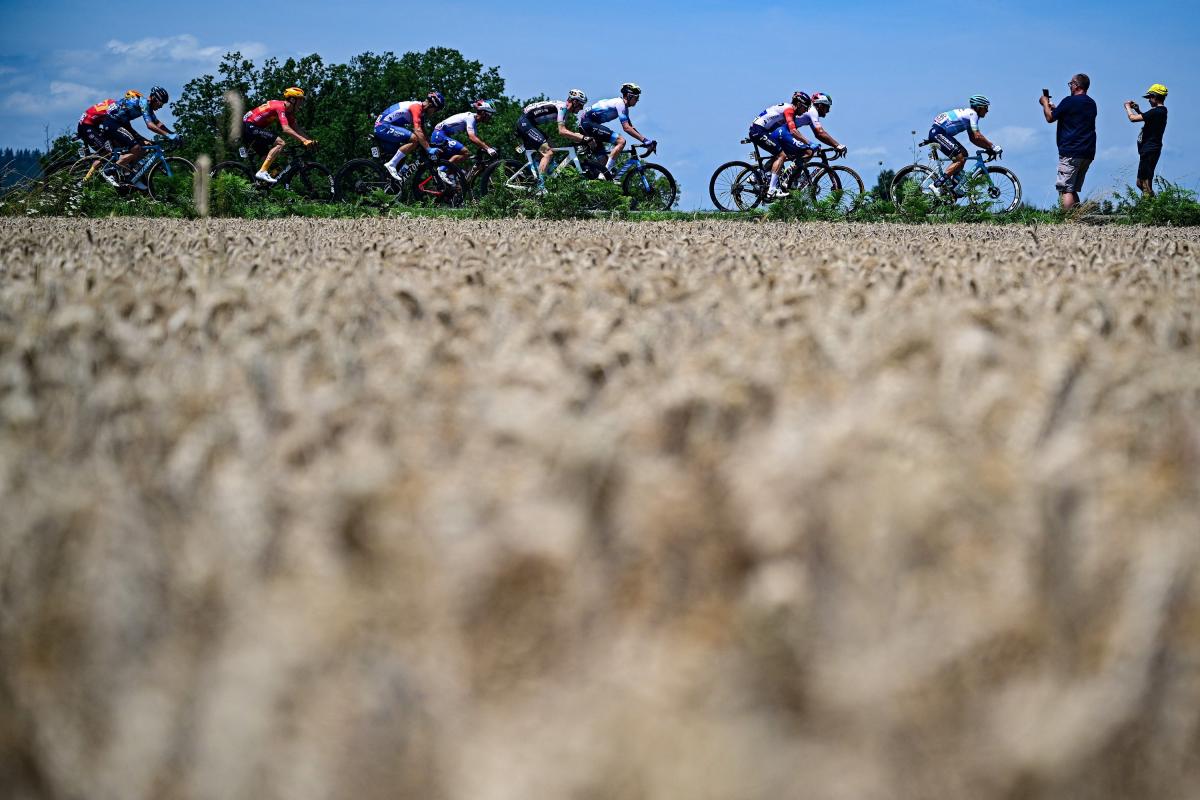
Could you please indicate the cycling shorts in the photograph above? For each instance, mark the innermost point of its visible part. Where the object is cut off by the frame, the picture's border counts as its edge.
(440, 139)
(601, 133)
(531, 136)
(392, 134)
(947, 143)
(260, 140)
(1147, 163)
(761, 137)
(789, 143)
(121, 137)
(93, 137)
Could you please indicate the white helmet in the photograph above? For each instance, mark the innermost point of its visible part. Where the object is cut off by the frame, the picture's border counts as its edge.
(578, 95)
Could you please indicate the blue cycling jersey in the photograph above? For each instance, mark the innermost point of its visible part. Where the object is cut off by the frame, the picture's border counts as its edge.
(127, 109)
(957, 120)
(603, 111)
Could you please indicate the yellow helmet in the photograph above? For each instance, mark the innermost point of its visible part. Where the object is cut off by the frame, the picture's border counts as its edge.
(293, 91)
(133, 93)
(1157, 89)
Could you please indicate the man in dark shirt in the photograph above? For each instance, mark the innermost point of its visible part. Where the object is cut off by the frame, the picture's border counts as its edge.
(1154, 122)
(1076, 118)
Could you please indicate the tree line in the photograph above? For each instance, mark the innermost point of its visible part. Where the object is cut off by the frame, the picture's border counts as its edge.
(341, 100)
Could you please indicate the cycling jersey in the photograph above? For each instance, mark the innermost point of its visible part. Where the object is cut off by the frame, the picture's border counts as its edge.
(262, 115)
(603, 111)
(403, 114)
(772, 117)
(957, 120)
(127, 109)
(546, 110)
(457, 124)
(94, 113)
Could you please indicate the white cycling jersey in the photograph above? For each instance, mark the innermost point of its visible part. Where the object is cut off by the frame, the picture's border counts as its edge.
(772, 117)
(457, 124)
(546, 110)
(603, 111)
(958, 120)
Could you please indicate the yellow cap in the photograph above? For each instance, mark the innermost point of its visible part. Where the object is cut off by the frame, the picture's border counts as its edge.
(1157, 89)
(294, 91)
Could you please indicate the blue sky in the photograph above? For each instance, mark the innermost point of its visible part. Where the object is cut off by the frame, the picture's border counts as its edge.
(706, 66)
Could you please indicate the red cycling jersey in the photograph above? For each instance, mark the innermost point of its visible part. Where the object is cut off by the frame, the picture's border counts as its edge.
(94, 113)
(263, 114)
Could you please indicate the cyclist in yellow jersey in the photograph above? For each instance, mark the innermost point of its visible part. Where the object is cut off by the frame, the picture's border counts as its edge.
(265, 142)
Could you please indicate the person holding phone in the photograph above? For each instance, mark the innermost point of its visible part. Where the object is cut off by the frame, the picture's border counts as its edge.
(1076, 135)
(1154, 124)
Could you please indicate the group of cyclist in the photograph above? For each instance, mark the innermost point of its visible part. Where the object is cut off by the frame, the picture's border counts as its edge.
(777, 129)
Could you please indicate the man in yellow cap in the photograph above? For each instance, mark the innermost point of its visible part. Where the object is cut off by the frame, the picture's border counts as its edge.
(1154, 122)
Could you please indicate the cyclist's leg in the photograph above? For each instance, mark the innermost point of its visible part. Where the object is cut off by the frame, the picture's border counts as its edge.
(394, 136)
(91, 136)
(535, 141)
(604, 135)
(788, 147)
(121, 139)
(951, 147)
(264, 143)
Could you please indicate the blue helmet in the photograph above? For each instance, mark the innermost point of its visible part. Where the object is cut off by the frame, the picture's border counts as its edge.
(437, 99)
(979, 101)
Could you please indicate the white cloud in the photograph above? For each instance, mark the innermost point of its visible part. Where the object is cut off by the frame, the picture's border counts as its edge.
(181, 48)
(1016, 139)
(61, 96)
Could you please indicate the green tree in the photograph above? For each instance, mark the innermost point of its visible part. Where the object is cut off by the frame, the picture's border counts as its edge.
(882, 189)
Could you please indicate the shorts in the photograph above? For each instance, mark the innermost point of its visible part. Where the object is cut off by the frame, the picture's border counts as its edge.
(947, 143)
(259, 139)
(1147, 163)
(783, 137)
(1071, 172)
(440, 139)
(761, 137)
(531, 136)
(93, 137)
(121, 137)
(392, 134)
(601, 133)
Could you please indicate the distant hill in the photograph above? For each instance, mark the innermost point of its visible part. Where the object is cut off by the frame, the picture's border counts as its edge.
(17, 164)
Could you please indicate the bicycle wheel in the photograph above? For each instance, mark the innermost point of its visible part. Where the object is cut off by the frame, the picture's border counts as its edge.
(749, 189)
(312, 181)
(175, 187)
(232, 168)
(85, 170)
(650, 188)
(999, 194)
(723, 185)
(841, 183)
(515, 175)
(430, 189)
(364, 181)
(910, 180)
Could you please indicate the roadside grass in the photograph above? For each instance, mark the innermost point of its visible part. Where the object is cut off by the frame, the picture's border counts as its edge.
(570, 196)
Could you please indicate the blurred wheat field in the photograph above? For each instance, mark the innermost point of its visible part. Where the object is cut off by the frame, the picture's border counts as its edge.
(494, 510)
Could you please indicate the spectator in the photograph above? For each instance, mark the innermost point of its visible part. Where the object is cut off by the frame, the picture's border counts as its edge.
(1076, 118)
(1154, 122)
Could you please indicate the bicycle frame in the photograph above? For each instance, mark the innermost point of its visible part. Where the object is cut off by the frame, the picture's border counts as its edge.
(969, 171)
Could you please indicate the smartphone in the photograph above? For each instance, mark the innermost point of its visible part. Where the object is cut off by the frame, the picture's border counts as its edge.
(1045, 92)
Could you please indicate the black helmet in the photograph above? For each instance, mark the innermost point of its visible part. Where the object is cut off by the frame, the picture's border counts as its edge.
(160, 94)
(801, 101)
(631, 88)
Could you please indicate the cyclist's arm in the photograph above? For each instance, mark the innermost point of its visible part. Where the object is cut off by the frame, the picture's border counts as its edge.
(569, 134)
(418, 126)
(789, 116)
(480, 143)
(979, 139)
(627, 126)
(295, 133)
(824, 136)
(158, 127)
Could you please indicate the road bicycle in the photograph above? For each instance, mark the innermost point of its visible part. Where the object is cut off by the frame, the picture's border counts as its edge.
(366, 181)
(300, 173)
(987, 188)
(160, 176)
(521, 176)
(649, 187)
(437, 181)
(740, 186)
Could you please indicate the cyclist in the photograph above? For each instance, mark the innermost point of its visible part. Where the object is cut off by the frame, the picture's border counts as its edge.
(392, 128)
(266, 143)
(481, 111)
(776, 129)
(949, 124)
(591, 122)
(110, 122)
(541, 112)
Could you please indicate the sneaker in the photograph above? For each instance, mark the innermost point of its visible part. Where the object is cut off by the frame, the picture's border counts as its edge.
(140, 186)
(444, 176)
(776, 193)
(264, 176)
(110, 175)
(391, 170)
